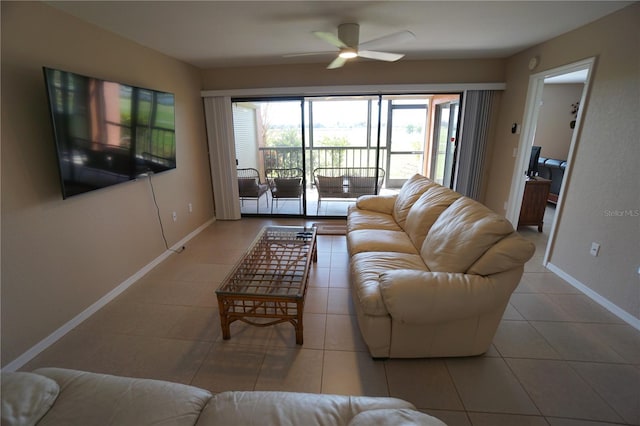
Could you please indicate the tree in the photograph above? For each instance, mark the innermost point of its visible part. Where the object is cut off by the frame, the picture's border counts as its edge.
(289, 137)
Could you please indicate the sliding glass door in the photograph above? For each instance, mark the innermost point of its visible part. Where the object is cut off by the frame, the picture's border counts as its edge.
(314, 156)
(444, 142)
(341, 149)
(406, 131)
(270, 156)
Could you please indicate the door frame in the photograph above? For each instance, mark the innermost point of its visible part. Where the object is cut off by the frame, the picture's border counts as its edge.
(529, 124)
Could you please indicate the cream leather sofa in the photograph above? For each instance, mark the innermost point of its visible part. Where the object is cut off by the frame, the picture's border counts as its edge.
(431, 271)
(53, 396)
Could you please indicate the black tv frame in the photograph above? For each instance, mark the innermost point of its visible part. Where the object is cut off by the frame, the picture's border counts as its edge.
(82, 110)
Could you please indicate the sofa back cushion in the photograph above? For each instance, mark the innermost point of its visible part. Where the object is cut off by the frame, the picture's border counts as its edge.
(424, 212)
(409, 193)
(461, 235)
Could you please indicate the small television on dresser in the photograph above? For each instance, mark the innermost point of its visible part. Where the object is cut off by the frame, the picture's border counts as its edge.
(532, 170)
(107, 132)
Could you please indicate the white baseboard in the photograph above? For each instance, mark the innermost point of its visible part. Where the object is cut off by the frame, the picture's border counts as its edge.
(60, 332)
(602, 301)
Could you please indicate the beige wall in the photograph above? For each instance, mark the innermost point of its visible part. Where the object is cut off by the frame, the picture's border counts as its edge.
(604, 175)
(61, 256)
(357, 73)
(553, 132)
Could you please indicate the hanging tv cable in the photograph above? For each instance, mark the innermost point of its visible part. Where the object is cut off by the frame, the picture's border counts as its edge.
(155, 202)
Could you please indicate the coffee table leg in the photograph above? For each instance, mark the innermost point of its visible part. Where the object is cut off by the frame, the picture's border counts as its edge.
(224, 323)
(299, 338)
(298, 324)
(224, 320)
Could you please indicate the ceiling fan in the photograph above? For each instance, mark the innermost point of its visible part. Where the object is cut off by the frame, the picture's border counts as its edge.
(347, 41)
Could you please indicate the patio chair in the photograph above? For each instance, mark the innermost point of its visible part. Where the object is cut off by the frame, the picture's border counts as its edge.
(249, 186)
(344, 183)
(285, 183)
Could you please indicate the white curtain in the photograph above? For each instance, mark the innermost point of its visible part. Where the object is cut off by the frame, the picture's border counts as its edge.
(222, 157)
(473, 141)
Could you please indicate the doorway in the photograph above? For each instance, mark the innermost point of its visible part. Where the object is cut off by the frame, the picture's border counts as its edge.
(529, 127)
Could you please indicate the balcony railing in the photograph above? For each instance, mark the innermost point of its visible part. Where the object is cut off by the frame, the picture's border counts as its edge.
(289, 157)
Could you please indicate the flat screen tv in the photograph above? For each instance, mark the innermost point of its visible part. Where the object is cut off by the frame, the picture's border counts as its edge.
(106, 132)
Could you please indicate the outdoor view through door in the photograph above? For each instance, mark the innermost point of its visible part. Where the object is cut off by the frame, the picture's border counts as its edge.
(314, 156)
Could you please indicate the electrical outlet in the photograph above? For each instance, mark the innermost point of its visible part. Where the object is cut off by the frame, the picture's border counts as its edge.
(190, 207)
(175, 216)
(595, 249)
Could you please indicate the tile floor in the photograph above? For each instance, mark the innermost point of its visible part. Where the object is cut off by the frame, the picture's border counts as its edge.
(558, 358)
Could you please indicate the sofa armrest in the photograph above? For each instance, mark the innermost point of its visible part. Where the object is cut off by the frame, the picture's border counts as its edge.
(377, 203)
(419, 297)
(26, 397)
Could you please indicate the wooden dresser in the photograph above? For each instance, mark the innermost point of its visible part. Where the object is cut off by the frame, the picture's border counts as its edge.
(534, 202)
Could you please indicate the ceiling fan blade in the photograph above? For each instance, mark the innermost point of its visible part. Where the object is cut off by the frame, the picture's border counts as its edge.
(293, 55)
(336, 63)
(380, 56)
(330, 38)
(395, 38)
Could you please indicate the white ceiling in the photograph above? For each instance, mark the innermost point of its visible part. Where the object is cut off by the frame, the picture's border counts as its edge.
(244, 33)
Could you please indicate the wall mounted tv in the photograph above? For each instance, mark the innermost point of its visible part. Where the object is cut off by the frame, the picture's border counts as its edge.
(106, 132)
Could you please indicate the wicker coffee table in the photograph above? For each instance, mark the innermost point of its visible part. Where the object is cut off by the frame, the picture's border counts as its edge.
(270, 280)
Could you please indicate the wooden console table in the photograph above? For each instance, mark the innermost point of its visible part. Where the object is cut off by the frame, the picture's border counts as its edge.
(534, 202)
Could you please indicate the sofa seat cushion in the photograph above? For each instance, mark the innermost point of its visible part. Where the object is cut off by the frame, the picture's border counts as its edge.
(288, 408)
(417, 297)
(369, 219)
(26, 397)
(412, 189)
(461, 235)
(425, 212)
(366, 269)
(379, 240)
(91, 399)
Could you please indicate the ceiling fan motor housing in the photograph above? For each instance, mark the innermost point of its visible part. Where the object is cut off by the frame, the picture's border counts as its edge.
(349, 34)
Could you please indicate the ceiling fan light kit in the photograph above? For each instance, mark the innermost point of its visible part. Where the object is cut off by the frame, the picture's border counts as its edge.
(347, 41)
(348, 53)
